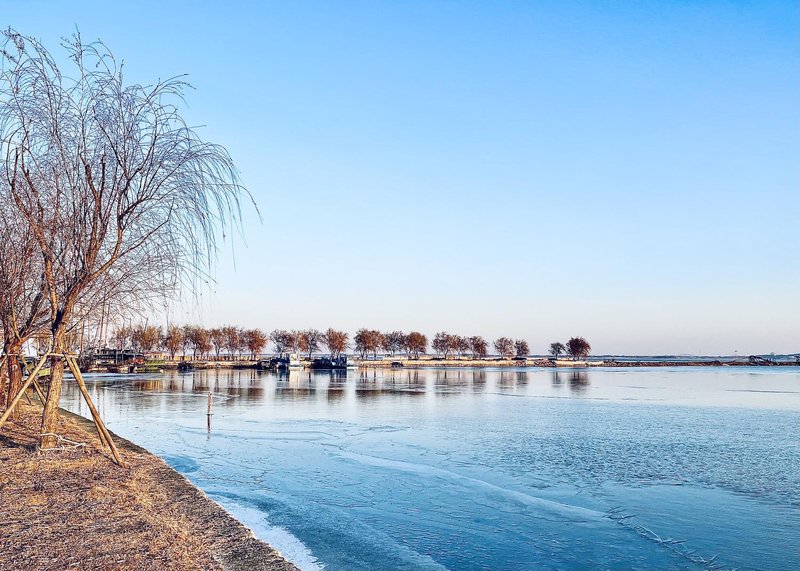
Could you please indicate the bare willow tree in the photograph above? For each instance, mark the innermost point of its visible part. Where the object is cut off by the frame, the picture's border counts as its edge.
(124, 199)
(22, 301)
(478, 346)
(557, 348)
(504, 347)
(578, 348)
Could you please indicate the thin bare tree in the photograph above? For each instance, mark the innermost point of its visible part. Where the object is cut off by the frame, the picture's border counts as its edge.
(23, 305)
(309, 341)
(232, 339)
(282, 340)
(217, 338)
(145, 338)
(557, 348)
(255, 341)
(393, 342)
(578, 348)
(335, 341)
(416, 344)
(123, 197)
(173, 340)
(504, 347)
(478, 347)
(461, 344)
(444, 343)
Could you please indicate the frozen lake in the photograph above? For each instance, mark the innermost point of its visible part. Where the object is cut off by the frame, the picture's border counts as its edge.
(679, 468)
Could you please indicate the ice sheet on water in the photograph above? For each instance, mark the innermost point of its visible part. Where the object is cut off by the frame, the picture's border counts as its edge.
(278, 537)
(541, 507)
(182, 463)
(367, 474)
(347, 542)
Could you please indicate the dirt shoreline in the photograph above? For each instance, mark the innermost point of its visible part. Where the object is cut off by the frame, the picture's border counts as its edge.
(75, 509)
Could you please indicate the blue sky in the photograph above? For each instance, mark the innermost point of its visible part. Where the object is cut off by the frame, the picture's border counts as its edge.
(625, 171)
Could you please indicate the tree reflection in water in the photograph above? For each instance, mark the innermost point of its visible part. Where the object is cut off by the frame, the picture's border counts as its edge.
(578, 380)
(175, 390)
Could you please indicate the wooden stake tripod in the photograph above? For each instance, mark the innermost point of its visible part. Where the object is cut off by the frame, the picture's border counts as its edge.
(102, 431)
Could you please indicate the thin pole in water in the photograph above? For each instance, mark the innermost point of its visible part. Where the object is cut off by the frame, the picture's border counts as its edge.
(208, 414)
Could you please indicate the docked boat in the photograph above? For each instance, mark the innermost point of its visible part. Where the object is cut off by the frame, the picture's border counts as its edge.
(295, 362)
(328, 364)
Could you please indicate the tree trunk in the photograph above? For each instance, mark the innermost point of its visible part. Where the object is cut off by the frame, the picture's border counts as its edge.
(50, 413)
(3, 382)
(13, 370)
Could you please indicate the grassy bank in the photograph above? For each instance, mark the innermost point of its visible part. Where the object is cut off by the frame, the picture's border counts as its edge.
(74, 508)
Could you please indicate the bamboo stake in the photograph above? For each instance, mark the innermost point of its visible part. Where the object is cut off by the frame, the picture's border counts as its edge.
(84, 393)
(73, 366)
(36, 386)
(22, 390)
(39, 392)
(102, 432)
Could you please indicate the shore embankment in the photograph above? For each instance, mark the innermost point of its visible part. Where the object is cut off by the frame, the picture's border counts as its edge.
(75, 509)
(544, 362)
(452, 362)
(431, 361)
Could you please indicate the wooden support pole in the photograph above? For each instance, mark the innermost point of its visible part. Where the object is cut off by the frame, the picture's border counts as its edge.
(22, 390)
(39, 392)
(101, 428)
(102, 432)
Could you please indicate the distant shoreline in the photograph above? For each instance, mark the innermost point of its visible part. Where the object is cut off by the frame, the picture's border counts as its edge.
(455, 362)
(562, 363)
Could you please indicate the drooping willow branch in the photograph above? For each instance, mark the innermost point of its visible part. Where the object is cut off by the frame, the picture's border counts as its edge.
(122, 199)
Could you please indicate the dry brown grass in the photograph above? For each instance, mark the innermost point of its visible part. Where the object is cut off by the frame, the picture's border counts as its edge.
(76, 509)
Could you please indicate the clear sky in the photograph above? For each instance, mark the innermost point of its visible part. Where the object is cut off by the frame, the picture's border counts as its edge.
(626, 171)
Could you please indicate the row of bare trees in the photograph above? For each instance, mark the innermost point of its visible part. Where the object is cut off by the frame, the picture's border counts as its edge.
(197, 341)
(371, 342)
(200, 342)
(310, 341)
(446, 344)
(109, 201)
(576, 347)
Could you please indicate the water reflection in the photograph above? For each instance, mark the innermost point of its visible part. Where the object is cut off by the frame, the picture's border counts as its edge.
(178, 388)
(578, 380)
(173, 390)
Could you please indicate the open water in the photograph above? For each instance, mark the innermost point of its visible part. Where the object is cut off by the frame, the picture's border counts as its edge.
(635, 468)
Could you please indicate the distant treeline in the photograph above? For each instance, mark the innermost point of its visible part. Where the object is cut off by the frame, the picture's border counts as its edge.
(236, 342)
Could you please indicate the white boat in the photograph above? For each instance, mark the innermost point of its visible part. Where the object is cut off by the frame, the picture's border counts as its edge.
(294, 361)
